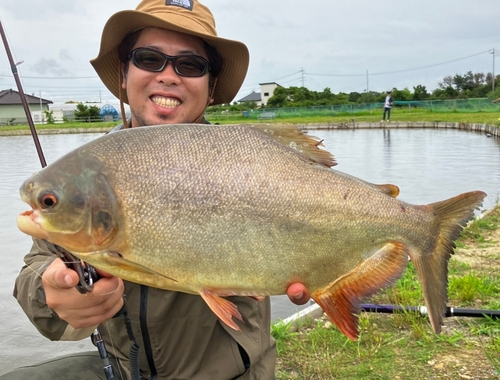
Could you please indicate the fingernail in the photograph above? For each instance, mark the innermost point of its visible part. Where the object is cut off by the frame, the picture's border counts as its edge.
(298, 296)
(68, 280)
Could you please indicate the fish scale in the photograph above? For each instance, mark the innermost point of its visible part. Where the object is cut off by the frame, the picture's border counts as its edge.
(242, 210)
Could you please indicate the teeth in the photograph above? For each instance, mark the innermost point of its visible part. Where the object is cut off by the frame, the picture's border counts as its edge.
(166, 102)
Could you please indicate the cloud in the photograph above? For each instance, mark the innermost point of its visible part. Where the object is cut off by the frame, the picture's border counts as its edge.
(65, 55)
(35, 9)
(49, 67)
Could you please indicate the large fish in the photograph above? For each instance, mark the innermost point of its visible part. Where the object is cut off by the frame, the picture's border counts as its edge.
(234, 210)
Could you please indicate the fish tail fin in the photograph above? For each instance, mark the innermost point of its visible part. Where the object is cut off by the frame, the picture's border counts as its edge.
(432, 268)
(341, 300)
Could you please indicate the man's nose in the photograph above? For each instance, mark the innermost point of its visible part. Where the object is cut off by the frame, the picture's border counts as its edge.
(168, 74)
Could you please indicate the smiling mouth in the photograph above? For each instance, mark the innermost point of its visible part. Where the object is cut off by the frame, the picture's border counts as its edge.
(166, 102)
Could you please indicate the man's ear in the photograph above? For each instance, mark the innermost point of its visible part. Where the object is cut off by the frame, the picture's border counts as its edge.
(124, 76)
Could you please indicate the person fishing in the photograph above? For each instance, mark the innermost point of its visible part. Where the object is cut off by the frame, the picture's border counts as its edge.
(166, 61)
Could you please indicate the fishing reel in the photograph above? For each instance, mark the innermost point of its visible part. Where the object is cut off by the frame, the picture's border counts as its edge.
(87, 273)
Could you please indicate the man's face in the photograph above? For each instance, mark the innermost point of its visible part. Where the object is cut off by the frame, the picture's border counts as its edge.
(166, 97)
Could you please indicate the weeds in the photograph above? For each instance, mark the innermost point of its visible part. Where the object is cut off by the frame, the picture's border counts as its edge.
(402, 345)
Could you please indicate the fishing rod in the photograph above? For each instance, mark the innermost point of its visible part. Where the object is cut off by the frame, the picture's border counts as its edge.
(13, 67)
(450, 311)
(87, 274)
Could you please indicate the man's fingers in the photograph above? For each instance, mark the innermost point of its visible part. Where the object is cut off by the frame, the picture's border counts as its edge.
(298, 293)
(58, 276)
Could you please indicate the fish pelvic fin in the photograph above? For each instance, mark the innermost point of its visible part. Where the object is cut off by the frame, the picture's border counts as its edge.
(225, 310)
(432, 268)
(341, 300)
(297, 139)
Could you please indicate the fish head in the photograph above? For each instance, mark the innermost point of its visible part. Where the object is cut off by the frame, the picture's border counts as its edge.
(73, 205)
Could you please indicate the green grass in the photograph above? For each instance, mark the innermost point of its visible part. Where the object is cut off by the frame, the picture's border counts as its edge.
(72, 125)
(403, 115)
(402, 345)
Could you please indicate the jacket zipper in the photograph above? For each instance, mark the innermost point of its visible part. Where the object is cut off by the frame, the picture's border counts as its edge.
(143, 318)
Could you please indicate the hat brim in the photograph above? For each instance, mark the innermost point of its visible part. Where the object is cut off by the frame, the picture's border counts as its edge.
(107, 64)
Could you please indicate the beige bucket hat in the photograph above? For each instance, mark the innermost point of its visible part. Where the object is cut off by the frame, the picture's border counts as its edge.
(186, 16)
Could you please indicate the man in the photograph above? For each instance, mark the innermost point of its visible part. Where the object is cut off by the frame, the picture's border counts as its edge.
(387, 106)
(166, 61)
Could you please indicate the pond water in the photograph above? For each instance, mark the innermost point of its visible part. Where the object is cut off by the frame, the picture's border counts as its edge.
(427, 165)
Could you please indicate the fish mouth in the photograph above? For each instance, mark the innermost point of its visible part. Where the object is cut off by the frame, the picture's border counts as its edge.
(165, 102)
(26, 223)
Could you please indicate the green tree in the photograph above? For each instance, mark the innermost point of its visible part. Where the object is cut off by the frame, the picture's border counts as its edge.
(279, 98)
(420, 93)
(50, 116)
(85, 112)
(403, 94)
(354, 97)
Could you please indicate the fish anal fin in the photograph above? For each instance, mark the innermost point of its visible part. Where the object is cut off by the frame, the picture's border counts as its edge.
(341, 300)
(222, 308)
(295, 138)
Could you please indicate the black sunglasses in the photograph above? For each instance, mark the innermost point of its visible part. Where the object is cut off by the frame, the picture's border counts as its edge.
(184, 65)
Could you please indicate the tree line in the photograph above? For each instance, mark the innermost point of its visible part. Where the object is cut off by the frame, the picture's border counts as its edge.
(466, 86)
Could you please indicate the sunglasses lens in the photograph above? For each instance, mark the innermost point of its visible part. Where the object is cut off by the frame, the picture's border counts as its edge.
(191, 66)
(185, 65)
(148, 60)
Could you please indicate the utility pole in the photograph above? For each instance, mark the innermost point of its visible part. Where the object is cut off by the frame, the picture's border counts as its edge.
(493, 73)
(367, 85)
(302, 72)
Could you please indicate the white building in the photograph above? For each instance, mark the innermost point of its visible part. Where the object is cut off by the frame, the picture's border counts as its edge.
(266, 91)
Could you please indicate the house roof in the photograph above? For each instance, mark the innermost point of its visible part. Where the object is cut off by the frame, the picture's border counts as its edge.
(263, 84)
(253, 97)
(9, 97)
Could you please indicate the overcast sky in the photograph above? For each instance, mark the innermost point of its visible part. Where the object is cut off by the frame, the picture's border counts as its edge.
(317, 44)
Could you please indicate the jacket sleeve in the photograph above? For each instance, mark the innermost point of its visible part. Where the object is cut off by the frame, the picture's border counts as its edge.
(29, 292)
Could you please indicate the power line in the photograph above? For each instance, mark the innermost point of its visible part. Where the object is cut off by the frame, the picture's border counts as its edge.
(27, 77)
(402, 71)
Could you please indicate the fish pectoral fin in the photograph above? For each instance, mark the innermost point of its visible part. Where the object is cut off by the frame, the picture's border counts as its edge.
(115, 259)
(341, 300)
(222, 308)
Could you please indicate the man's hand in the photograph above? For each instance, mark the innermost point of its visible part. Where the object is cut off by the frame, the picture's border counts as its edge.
(81, 310)
(298, 293)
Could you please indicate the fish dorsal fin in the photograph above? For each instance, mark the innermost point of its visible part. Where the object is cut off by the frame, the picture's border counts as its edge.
(297, 139)
(388, 189)
(341, 300)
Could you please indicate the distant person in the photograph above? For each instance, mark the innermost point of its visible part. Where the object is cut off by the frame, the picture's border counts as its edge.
(387, 106)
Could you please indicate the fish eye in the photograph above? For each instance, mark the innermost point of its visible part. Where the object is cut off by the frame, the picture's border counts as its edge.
(47, 200)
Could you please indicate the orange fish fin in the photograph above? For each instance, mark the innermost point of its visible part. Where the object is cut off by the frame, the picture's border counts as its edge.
(432, 269)
(341, 300)
(388, 189)
(297, 139)
(223, 309)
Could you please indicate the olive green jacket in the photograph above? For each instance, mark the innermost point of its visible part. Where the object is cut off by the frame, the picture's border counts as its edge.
(178, 335)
